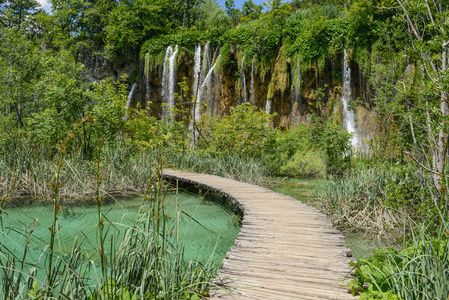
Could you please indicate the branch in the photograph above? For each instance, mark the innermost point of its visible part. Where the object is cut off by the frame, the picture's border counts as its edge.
(409, 21)
(421, 165)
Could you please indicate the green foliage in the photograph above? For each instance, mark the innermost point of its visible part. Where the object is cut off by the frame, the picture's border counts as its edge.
(244, 131)
(419, 271)
(130, 24)
(310, 150)
(316, 34)
(305, 163)
(334, 142)
(109, 110)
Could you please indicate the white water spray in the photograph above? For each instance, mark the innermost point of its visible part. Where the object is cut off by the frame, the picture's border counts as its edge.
(168, 79)
(268, 106)
(130, 95)
(251, 99)
(206, 82)
(242, 76)
(348, 115)
(196, 80)
(296, 83)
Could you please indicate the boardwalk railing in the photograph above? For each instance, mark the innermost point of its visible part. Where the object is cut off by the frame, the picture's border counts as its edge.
(285, 249)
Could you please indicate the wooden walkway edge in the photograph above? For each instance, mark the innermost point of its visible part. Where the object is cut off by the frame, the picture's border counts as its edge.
(285, 249)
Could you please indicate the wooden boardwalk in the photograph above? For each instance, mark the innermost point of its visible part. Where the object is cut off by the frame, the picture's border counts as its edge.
(285, 249)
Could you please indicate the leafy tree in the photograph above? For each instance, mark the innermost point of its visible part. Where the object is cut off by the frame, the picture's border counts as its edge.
(133, 22)
(277, 10)
(244, 132)
(16, 12)
(250, 11)
(19, 65)
(214, 18)
(232, 11)
(428, 30)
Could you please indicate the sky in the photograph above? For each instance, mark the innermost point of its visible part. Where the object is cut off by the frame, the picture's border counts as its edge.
(45, 4)
(239, 3)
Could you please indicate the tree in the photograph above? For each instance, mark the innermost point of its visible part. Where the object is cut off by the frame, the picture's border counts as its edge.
(232, 11)
(18, 68)
(250, 11)
(277, 10)
(133, 22)
(428, 30)
(15, 12)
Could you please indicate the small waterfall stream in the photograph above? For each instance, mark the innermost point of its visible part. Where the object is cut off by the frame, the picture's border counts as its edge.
(168, 79)
(242, 76)
(268, 106)
(251, 99)
(196, 81)
(296, 83)
(348, 115)
(203, 77)
(130, 95)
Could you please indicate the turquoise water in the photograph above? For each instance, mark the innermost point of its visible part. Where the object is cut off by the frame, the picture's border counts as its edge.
(308, 191)
(205, 228)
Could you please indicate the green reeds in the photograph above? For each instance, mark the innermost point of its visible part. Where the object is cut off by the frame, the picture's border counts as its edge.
(232, 166)
(419, 271)
(141, 261)
(364, 199)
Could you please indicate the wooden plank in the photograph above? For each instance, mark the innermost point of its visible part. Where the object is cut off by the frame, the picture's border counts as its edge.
(285, 249)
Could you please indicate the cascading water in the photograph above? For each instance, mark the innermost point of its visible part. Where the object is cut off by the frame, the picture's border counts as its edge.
(348, 115)
(168, 79)
(251, 99)
(242, 76)
(196, 81)
(130, 95)
(203, 77)
(296, 83)
(207, 79)
(268, 106)
(203, 74)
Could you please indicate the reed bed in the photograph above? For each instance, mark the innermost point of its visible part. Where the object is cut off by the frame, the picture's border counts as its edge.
(244, 169)
(142, 261)
(366, 198)
(30, 172)
(419, 271)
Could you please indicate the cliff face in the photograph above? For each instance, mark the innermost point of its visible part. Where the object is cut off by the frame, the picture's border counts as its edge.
(277, 86)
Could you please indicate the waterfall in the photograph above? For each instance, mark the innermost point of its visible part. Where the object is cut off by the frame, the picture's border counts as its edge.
(296, 83)
(168, 79)
(203, 74)
(130, 95)
(205, 84)
(268, 106)
(148, 92)
(196, 81)
(348, 115)
(242, 76)
(252, 82)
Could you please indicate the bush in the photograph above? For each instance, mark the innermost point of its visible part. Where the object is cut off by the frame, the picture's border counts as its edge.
(305, 163)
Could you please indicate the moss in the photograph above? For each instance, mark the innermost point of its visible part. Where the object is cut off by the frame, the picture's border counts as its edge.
(270, 93)
(225, 55)
(281, 80)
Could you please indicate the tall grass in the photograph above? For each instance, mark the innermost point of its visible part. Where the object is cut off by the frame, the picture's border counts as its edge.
(419, 271)
(124, 171)
(244, 169)
(369, 198)
(142, 261)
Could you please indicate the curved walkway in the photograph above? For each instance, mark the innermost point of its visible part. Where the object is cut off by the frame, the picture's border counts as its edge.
(285, 249)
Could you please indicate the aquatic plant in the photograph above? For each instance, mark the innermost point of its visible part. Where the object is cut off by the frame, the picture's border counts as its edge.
(142, 261)
(419, 271)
